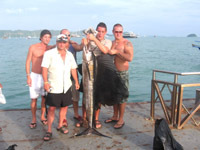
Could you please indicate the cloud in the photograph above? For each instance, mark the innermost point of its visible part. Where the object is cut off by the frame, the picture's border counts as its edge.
(20, 10)
(14, 11)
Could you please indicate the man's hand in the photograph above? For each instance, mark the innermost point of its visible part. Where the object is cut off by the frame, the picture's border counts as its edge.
(113, 51)
(29, 81)
(91, 37)
(84, 41)
(77, 86)
(47, 87)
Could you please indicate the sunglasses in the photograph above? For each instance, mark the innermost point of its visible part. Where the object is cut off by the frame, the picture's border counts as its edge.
(118, 31)
(68, 35)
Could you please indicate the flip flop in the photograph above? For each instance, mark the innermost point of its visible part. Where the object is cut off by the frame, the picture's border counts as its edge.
(47, 136)
(63, 130)
(119, 125)
(110, 121)
(82, 123)
(44, 122)
(33, 125)
(79, 118)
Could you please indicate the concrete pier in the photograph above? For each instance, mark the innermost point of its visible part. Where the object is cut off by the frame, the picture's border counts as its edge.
(137, 133)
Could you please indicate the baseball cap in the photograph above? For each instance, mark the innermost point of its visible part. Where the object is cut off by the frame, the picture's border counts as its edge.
(61, 38)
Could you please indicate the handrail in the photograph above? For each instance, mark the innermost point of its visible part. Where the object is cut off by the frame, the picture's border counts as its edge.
(174, 117)
(174, 73)
(178, 73)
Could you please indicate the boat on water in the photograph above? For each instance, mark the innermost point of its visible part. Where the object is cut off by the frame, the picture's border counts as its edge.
(29, 37)
(129, 35)
(197, 46)
(75, 35)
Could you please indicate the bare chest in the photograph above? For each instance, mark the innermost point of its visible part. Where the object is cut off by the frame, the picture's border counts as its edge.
(38, 53)
(119, 46)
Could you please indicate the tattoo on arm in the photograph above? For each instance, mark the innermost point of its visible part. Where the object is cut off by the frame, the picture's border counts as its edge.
(122, 57)
(129, 44)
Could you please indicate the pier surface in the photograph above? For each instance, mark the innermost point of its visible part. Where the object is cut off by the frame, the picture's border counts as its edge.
(137, 133)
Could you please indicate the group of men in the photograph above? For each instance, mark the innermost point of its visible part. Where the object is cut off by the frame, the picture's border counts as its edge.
(54, 71)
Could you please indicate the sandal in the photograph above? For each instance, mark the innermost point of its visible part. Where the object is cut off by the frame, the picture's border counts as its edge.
(97, 124)
(63, 130)
(82, 123)
(118, 125)
(33, 125)
(79, 124)
(110, 120)
(65, 124)
(79, 118)
(44, 122)
(47, 136)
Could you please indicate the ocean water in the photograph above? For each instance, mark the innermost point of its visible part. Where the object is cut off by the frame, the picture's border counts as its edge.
(174, 54)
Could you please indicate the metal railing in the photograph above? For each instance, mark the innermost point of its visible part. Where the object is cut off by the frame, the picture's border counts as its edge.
(173, 114)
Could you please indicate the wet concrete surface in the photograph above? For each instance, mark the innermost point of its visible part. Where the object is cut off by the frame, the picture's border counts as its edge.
(136, 134)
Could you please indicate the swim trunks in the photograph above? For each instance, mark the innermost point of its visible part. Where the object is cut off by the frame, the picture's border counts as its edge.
(125, 79)
(37, 86)
(59, 99)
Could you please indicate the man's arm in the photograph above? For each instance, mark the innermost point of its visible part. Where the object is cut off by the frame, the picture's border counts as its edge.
(50, 47)
(102, 47)
(28, 63)
(126, 55)
(45, 78)
(76, 46)
(75, 77)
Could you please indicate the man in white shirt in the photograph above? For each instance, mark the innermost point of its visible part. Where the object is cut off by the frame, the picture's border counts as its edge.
(57, 66)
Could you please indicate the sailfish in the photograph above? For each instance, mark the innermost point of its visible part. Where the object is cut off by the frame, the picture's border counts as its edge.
(88, 78)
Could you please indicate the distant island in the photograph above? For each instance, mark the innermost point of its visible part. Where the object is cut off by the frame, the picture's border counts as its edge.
(30, 34)
(192, 35)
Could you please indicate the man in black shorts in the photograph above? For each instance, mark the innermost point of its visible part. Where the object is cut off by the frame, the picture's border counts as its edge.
(57, 66)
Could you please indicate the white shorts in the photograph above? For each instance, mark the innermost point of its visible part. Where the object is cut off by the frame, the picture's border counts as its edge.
(75, 93)
(37, 86)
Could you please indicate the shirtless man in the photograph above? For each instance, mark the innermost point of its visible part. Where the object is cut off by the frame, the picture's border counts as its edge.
(123, 51)
(34, 79)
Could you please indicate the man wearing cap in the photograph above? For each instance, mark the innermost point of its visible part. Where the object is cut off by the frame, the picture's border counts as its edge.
(34, 78)
(73, 47)
(57, 67)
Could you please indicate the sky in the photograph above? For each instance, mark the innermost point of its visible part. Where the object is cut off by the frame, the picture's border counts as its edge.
(143, 17)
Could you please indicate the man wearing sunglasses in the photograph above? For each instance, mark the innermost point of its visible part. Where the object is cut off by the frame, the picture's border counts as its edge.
(123, 51)
(57, 67)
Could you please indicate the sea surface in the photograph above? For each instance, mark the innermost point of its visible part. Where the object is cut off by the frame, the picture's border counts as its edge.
(174, 54)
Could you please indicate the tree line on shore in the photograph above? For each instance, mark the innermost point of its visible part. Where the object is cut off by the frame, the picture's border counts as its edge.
(26, 33)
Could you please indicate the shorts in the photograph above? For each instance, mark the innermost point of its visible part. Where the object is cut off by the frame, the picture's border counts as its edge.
(37, 86)
(75, 93)
(125, 79)
(59, 99)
